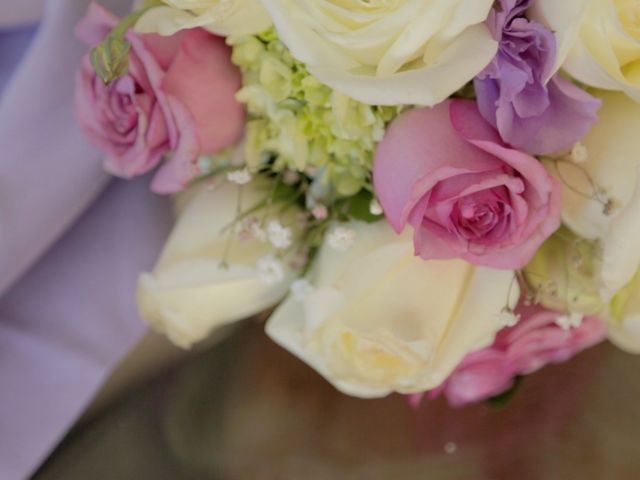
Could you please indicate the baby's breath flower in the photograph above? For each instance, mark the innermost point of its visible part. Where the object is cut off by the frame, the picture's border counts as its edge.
(270, 270)
(341, 238)
(240, 177)
(258, 232)
(251, 229)
(569, 321)
(279, 236)
(508, 318)
(579, 153)
(319, 212)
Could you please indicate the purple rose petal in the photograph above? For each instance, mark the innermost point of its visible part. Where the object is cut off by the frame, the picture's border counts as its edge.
(533, 114)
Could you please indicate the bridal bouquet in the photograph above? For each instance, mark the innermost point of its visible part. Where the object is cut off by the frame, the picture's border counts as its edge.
(436, 196)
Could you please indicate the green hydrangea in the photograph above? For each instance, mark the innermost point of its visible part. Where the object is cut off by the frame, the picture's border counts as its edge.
(299, 124)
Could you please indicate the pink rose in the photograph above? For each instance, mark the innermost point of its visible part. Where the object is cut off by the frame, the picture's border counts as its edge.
(536, 341)
(445, 171)
(178, 96)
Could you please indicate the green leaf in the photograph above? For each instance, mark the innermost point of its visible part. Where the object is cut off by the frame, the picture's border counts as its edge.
(501, 401)
(283, 192)
(360, 207)
(315, 235)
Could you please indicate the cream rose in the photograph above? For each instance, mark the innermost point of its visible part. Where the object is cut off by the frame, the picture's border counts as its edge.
(601, 199)
(222, 17)
(388, 52)
(377, 319)
(602, 202)
(624, 317)
(190, 292)
(599, 40)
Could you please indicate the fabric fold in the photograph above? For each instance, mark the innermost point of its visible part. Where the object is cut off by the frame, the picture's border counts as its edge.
(18, 13)
(49, 174)
(70, 251)
(66, 324)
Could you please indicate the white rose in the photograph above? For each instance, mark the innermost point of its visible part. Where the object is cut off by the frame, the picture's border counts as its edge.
(378, 319)
(601, 199)
(388, 52)
(624, 317)
(222, 17)
(598, 40)
(190, 292)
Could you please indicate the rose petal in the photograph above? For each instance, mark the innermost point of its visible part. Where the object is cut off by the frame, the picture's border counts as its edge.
(205, 81)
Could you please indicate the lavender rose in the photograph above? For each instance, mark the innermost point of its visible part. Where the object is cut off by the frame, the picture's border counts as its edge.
(534, 111)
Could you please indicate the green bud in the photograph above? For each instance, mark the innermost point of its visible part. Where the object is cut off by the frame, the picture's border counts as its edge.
(110, 58)
(345, 183)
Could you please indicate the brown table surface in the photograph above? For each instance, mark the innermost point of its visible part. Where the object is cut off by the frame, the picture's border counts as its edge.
(247, 410)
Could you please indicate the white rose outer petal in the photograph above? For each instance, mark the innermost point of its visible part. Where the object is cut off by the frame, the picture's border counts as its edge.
(612, 165)
(222, 17)
(365, 63)
(621, 246)
(613, 145)
(626, 334)
(593, 45)
(189, 294)
(375, 295)
(301, 289)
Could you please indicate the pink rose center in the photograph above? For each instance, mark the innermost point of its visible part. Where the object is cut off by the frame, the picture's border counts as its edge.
(481, 216)
(479, 209)
(122, 104)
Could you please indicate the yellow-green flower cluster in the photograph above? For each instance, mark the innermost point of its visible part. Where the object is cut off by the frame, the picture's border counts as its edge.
(299, 124)
(564, 274)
